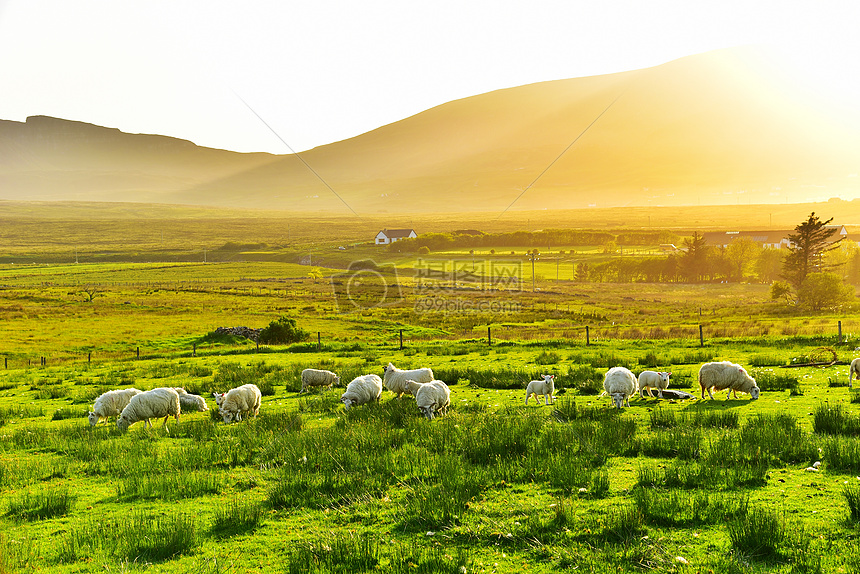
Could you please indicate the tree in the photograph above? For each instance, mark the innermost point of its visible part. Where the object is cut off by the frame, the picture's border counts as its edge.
(282, 331)
(824, 291)
(741, 254)
(808, 245)
(694, 261)
(768, 265)
(90, 292)
(781, 290)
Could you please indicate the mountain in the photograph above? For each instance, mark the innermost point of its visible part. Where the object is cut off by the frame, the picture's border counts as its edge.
(724, 127)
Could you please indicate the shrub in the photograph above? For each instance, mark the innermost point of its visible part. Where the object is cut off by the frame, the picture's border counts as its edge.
(282, 331)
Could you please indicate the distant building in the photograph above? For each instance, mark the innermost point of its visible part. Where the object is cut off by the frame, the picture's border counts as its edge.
(387, 236)
(766, 239)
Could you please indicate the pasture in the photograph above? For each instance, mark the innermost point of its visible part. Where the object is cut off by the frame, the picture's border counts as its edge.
(494, 486)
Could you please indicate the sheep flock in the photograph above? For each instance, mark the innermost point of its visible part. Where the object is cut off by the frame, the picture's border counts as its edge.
(432, 397)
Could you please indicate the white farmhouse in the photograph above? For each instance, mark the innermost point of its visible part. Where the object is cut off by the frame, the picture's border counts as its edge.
(767, 239)
(387, 236)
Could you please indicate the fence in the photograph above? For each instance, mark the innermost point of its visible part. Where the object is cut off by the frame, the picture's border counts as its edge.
(583, 335)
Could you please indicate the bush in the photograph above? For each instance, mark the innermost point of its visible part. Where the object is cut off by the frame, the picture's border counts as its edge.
(282, 331)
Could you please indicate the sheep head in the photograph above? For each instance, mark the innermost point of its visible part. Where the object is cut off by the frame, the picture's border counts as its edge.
(618, 400)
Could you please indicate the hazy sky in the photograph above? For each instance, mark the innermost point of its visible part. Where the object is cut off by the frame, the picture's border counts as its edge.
(324, 70)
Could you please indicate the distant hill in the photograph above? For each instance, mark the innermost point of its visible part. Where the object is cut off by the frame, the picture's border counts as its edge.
(717, 128)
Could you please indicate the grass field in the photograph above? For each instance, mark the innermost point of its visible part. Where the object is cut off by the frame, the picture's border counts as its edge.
(494, 486)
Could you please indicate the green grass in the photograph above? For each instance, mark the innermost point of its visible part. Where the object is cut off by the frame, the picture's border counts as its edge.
(493, 485)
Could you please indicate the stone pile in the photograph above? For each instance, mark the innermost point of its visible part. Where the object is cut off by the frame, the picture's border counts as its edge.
(247, 332)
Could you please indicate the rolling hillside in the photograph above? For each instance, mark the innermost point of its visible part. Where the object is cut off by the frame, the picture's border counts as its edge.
(717, 128)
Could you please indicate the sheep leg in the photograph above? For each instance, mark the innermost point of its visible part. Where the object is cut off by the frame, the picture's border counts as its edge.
(528, 396)
(659, 392)
(710, 394)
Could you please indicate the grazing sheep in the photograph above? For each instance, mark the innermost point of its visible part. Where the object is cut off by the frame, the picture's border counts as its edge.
(395, 379)
(853, 370)
(110, 404)
(190, 403)
(318, 378)
(724, 375)
(620, 384)
(432, 397)
(546, 387)
(219, 398)
(154, 404)
(361, 390)
(244, 399)
(653, 380)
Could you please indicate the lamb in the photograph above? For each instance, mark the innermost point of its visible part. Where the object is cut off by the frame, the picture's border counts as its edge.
(190, 403)
(653, 380)
(546, 387)
(395, 379)
(620, 384)
(724, 375)
(244, 399)
(110, 404)
(432, 397)
(362, 390)
(318, 378)
(853, 370)
(219, 398)
(154, 404)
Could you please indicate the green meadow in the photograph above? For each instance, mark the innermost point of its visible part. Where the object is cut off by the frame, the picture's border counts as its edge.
(494, 486)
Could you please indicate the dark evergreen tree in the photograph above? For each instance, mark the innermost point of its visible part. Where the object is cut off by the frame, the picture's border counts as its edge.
(811, 240)
(694, 261)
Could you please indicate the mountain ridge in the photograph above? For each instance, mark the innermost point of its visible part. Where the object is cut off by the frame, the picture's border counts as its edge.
(714, 128)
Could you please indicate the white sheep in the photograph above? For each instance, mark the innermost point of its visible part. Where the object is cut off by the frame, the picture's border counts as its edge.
(219, 398)
(362, 390)
(395, 379)
(190, 403)
(432, 397)
(545, 387)
(154, 404)
(853, 370)
(238, 401)
(110, 404)
(620, 384)
(653, 380)
(318, 378)
(722, 375)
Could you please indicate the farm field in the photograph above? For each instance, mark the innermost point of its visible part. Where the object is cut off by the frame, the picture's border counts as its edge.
(494, 486)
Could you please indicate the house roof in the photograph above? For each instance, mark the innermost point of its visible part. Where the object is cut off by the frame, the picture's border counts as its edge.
(770, 237)
(397, 233)
(726, 237)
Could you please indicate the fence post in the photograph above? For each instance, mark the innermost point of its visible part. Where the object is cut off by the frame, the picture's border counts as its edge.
(401, 339)
(138, 352)
(319, 341)
(89, 357)
(5, 362)
(587, 337)
(840, 333)
(701, 337)
(489, 336)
